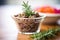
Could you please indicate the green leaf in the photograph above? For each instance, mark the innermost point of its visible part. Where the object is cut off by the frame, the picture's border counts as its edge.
(27, 9)
(45, 35)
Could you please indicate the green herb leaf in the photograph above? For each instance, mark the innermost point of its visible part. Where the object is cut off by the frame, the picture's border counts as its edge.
(45, 35)
(27, 9)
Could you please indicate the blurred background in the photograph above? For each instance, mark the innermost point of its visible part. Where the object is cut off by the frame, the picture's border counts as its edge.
(8, 30)
(18, 2)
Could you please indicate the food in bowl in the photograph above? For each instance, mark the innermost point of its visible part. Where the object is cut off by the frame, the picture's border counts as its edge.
(29, 24)
(52, 14)
(28, 21)
(48, 10)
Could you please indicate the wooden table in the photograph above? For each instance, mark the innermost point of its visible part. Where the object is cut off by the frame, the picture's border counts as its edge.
(43, 27)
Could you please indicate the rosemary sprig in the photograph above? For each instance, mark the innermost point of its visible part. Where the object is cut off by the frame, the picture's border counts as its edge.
(27, 9)
(45, 35)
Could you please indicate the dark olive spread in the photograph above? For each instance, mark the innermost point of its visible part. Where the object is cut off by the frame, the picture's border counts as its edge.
(29, 20)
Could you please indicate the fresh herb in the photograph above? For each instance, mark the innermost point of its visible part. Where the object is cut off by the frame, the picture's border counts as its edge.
(45, 35)
(27, 9)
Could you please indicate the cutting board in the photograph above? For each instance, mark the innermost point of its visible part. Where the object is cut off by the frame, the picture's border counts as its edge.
(43, 27)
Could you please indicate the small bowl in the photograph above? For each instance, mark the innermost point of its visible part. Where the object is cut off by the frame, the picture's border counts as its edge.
(51, 18)
(29, 25)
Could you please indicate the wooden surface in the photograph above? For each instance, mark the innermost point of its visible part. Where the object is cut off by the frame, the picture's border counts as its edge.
(43, 27)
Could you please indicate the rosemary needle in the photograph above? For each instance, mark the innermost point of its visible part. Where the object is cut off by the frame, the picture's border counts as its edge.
(27, 9)
(45, 35)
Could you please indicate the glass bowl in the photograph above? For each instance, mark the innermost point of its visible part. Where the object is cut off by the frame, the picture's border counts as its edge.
(29, 25)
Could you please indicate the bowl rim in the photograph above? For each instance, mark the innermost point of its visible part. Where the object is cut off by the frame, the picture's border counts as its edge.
(49, 14)
(42, 16)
